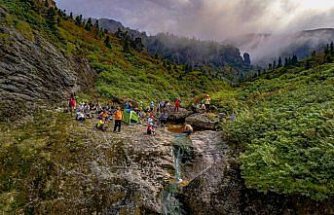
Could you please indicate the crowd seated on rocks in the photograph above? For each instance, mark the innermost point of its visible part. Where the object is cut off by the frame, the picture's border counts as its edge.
(152, 115)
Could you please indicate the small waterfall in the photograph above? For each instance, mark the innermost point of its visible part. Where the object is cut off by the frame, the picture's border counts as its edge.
(170, 203)
(177, 160)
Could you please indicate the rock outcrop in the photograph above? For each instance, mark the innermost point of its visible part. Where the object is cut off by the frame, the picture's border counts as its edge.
(33, 71)
(220, 190)
(204, 121)
(179, 116)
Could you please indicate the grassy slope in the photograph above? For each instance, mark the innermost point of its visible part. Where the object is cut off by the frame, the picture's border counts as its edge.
(35, 153)
(123, 75)
(285, 122)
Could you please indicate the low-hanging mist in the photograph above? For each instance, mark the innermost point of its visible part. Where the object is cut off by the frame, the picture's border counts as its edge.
(212, 19)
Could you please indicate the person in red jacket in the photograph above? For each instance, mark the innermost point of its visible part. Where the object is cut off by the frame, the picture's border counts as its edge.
(72, 103)
(177, 105)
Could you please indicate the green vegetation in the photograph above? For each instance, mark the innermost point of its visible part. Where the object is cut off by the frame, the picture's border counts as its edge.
(46, 166)
(28, 154)
(285, 123)
(124, 71)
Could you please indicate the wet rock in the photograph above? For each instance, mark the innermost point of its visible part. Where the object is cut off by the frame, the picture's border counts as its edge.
(204, 121)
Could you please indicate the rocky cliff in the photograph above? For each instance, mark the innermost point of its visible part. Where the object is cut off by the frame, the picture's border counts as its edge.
(220, 190)
(32, 70)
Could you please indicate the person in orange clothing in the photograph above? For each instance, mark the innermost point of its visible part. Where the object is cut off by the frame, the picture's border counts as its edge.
(118, 119)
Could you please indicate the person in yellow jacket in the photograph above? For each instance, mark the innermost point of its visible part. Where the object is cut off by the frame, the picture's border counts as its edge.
(118, 115)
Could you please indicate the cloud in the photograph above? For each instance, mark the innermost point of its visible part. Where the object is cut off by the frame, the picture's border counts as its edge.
(210, 19)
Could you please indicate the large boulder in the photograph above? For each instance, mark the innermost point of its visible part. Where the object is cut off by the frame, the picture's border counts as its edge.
(203, 121)
(179, 116)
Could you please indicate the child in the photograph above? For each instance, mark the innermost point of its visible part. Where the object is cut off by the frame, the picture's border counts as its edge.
(151, 129)
(101, 125)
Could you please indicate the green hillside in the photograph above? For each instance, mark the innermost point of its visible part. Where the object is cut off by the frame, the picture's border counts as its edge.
(285, 125)
(122, 73)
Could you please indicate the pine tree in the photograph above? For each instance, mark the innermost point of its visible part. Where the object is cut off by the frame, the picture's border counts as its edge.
(51, 17)
(190, 68)
(247, 60)
(314, 53)
(294, 60)
(119, 33)
(71, 16)
(96, 25)
(89, 25)
(126, 44)
(185, 68)
(107, 42)
(137, 44)
(286, 62)
(327, 50)
(332, 48)
(279, 62)
(78, 20)
(307, 64)
(274, 64)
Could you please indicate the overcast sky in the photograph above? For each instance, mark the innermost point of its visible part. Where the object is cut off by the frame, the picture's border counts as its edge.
(210, 19)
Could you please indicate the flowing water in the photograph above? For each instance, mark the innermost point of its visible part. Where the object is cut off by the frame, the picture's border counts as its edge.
(171, 205)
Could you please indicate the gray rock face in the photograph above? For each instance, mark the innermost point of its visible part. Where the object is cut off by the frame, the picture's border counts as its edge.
(33, 71)
(215, 189)
(205, 121)
(220, 190)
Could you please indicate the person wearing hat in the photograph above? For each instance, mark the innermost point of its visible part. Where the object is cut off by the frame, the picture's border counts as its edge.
(118, 115)
(207, 101)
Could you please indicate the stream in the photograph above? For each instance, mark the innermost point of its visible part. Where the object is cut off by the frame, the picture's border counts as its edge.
(181, 153)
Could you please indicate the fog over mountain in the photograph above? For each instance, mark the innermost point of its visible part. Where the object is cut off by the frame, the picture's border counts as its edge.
(212, 19)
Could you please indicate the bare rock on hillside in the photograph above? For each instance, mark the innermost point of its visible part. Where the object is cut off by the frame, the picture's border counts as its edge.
(34, 71)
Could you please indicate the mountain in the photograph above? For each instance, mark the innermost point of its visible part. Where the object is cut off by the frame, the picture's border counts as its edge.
(196, 53)
(264, 48)
(271, 150)
(182, 50)
(113, 26)
(46, 55)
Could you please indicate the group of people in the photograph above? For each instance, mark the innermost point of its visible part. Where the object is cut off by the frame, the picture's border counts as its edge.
(105, 114)
(154, 116)
(108, 115)
(203, 105)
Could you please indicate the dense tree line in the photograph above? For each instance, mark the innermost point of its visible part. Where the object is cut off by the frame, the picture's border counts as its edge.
(288, 61)
(54, 16)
